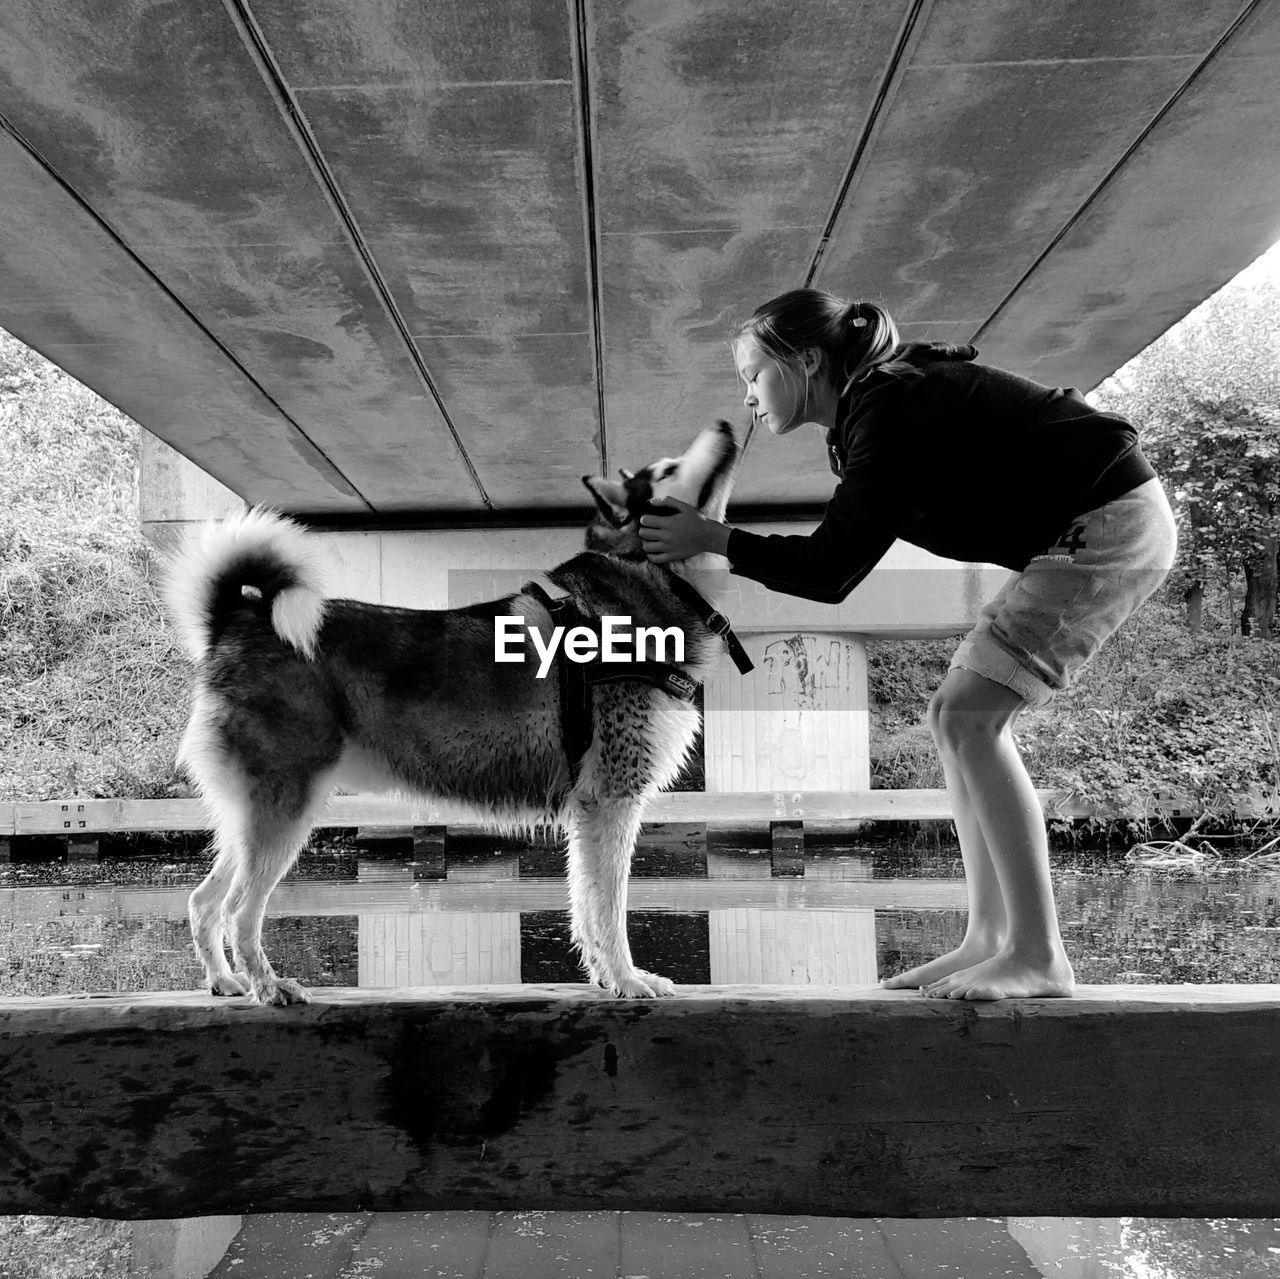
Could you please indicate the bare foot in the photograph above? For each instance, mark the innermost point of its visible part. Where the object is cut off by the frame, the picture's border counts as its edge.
(1006, 976)
(965, 955)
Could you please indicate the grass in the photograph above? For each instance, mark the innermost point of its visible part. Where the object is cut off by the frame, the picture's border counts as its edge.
(1159, 713)
(93, 688)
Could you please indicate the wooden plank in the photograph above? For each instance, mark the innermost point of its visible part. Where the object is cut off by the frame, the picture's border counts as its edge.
(62, 817)
(859, 1102)
(104, 815)
(100, 816)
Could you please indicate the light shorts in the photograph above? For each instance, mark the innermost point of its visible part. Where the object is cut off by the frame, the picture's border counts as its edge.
(1050, 618)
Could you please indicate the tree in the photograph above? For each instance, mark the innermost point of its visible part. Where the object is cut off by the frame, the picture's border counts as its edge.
(1206, 396)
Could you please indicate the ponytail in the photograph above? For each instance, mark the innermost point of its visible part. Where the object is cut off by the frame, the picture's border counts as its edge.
(871, 342)
(852, 337)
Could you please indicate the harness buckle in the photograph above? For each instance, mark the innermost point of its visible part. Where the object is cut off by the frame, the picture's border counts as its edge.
(680, 685)
(718, 624)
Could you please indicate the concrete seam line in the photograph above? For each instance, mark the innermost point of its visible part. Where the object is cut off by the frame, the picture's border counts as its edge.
(913, 24)
(296, 122)
(339, 480)
(1087, 203)
(580, 52)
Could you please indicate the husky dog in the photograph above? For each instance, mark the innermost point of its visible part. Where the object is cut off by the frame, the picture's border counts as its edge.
(297, 695)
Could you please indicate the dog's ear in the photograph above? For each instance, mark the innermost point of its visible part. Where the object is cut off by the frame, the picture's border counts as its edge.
(611, 498)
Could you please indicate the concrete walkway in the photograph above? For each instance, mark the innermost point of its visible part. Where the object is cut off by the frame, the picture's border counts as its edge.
(617, 1245)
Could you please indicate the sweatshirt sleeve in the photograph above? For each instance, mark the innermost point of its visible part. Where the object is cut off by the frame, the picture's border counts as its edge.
(825, 565)
(856, 528)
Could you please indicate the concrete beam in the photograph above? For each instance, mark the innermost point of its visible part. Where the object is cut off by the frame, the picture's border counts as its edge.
(1155, 1101)
(198, 220)
(911, 594)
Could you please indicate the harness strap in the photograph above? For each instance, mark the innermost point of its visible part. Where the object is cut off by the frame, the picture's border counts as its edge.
(662, 675)
(577, 725)
(713, 619)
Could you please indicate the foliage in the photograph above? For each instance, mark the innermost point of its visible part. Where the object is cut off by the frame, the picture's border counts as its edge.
(1160, 713)
(1207, 397)
(68, 459)
(92, 686)
(64, 1248)
(1213, 1248)
(902, 676)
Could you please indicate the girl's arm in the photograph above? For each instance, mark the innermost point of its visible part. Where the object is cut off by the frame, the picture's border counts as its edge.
(668, 538)
(855, 531)
(825, 565)
(856, 527)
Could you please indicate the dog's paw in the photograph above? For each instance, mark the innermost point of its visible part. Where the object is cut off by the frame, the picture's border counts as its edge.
(639, 984)
(229, 984)
(279, 991)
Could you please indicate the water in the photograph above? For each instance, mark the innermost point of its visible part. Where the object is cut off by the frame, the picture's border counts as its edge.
(349, 916)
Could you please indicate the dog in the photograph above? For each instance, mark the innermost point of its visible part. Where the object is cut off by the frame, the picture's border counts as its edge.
(296, 695)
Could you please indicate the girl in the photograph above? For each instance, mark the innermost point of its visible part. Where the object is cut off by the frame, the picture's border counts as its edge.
(974, 464)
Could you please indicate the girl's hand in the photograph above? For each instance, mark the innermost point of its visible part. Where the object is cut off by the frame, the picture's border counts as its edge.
(667, 538)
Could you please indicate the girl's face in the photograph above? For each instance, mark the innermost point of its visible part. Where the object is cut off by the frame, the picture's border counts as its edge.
(776, 393)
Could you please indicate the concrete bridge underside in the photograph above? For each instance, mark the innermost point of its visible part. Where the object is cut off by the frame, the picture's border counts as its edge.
(376, 261)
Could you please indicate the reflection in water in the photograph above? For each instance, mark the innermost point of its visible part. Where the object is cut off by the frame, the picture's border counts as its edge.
(343, 919)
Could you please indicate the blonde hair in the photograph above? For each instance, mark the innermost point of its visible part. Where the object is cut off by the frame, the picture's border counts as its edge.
(852, 338)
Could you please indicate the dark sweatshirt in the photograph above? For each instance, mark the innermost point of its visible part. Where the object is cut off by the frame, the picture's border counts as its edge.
(962, 459)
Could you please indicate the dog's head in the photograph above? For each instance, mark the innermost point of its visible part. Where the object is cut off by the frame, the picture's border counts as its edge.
(699, 477)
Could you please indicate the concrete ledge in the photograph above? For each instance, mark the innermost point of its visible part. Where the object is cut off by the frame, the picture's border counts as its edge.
(1153, 1101)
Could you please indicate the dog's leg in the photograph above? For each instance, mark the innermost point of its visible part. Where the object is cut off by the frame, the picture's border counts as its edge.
(602, 836)
(205, 910)
(580, 869)
(270, 846)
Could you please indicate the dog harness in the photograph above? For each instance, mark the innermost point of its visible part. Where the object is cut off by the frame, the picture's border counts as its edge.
(576, 679)
(711, 618)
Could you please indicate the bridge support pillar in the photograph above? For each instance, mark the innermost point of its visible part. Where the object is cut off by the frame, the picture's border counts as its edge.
(799, 721)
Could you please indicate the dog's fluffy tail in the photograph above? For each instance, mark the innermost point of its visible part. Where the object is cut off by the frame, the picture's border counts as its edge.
(257, 560)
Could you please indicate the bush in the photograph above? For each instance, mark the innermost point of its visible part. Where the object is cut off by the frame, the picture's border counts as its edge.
(1160, 712)
(93, 688)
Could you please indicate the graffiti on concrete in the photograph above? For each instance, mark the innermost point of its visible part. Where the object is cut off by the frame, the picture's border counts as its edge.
(809, 671)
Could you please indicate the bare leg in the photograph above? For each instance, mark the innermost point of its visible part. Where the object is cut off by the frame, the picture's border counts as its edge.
(974, 722)
(986, 926)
